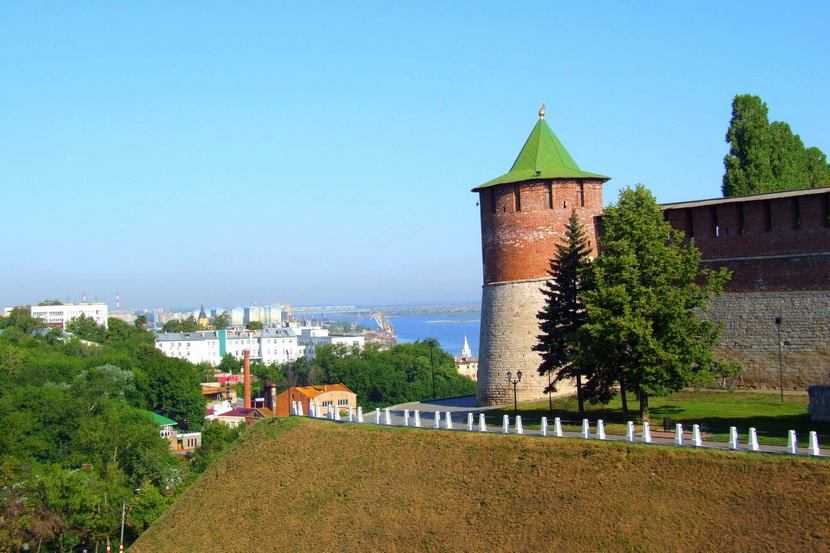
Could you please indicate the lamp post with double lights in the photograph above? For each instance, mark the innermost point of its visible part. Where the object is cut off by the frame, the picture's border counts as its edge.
(515, 383)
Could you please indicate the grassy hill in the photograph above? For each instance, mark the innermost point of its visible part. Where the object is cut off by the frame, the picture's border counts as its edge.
(303, 485)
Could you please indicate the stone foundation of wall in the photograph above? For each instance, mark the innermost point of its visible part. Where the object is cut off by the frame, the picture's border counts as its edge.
(509, 330)
(750, 337)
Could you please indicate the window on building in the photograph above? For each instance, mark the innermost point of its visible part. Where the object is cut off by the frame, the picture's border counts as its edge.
(517, 197)
(715, 223)
(796, 213)
(549, 195)
(581, 194)
(741, 218)
(767, 215)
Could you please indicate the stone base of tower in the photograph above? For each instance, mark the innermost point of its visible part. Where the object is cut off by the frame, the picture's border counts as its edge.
(509, 330)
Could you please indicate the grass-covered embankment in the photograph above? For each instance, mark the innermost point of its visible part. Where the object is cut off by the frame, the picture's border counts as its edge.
(317, 486)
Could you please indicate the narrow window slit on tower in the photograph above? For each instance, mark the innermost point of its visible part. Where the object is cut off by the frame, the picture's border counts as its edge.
(549, 195)
(517, 197)
(741, 218)
(796, 214)
(715, 224)
(581, 194)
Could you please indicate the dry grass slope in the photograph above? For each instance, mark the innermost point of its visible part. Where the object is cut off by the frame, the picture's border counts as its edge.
(318, 487)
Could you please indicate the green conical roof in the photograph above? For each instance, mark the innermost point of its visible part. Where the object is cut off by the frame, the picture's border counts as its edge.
(542, 157)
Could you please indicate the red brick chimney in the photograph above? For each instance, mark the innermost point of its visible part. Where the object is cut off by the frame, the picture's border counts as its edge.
(246, 372)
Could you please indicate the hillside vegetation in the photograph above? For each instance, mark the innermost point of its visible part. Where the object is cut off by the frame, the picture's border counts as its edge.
(304, 485)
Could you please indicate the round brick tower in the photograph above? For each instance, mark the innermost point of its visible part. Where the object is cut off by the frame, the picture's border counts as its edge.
(523, 217)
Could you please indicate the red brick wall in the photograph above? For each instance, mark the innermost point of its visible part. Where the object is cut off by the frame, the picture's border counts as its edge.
(780, 245)
(518, 237)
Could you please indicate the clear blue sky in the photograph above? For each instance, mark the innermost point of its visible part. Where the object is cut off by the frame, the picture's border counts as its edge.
(180, 153)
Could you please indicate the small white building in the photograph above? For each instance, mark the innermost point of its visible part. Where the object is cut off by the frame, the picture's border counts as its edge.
(313, 337)
(466, 364)
(58, 316)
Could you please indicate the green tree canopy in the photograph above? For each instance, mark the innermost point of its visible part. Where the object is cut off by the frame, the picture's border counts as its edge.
(642, 302)
(767, 157)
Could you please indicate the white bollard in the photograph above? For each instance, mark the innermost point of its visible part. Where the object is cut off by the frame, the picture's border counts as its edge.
(646, 433)
(733, 438)
(557, 427)
(406, 417)
(629, 431)
(351, 414)
(417, 419)
(678, 435)
(335, 413)
(601, 429)
(792, 443)
(377, 415)
(814, 449)
(519, 429)
(482, 423)
(696, 439)
(586, 429)
(448, 418)
(436, 422)
(300, 408)
(360, 414)
(505, 424)
(293, 408)
(387, 417)
(544, 426)
(753, 440)
(469, 422)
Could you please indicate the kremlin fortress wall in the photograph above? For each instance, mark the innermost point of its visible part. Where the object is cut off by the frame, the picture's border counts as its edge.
(777, 245)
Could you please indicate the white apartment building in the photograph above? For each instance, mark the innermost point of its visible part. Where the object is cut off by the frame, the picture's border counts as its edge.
(271, 345)
(58, 316)
(313, 337)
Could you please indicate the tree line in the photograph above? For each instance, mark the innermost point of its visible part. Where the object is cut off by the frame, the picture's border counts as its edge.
(78, 438)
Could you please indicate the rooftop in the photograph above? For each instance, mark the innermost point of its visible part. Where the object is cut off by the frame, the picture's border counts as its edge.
(750, 198)
(542, 157)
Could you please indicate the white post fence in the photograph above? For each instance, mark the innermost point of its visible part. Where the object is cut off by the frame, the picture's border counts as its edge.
(792, 443)
(417, 418)
(646, 433)
(753, 440)
(482, 423)
(601, 429)
(629, 431)
(469, 422)
(544, 428)
(814, 449)
(678, 435)
(448, 418)
(359, 414)
(519, 429)
(505, 424)
(733, 438)
(387, 417)
(377, 415)
(586, 429)
(406, 417)
(557, 427)
(696, 439)
(436, 423)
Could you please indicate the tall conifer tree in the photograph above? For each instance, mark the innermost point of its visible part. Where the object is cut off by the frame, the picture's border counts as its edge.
(564, 313)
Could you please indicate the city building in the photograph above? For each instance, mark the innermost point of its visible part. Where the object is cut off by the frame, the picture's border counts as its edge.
(777, 245)
(180, 442)
(58, 316)
(466, 363)
(312, 337)
(324, 397)
(270, 345)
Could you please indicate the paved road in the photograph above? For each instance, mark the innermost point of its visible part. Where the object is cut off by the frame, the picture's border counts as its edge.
(459, 418)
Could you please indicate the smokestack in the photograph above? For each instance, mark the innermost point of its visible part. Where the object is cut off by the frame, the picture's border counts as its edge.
(246, 371)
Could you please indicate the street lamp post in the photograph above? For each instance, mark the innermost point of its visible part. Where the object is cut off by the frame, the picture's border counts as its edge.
(778, 321)
(432, 368)
(514, 382)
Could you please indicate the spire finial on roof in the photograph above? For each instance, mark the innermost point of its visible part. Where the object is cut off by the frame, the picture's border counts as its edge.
(542, 111)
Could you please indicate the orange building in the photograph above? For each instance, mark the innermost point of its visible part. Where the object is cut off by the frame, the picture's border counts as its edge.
(324, 397)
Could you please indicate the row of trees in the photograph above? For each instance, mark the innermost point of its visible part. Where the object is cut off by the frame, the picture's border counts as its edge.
(629, 321)
(78, 440)
(767, 157)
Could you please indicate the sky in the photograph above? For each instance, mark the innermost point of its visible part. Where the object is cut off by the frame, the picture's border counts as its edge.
(323, 153)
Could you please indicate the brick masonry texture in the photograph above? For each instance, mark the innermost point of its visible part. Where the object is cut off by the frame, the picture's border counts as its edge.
(777, 249)
(508, 333)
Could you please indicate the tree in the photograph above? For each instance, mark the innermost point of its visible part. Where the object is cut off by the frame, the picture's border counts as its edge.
(254, 325)
(564, 313)
(141, 322)
(229, 364)
(21, 319)
(87, 329)
(175, 325)
(222, 321)
(647, 288)
(767, 157)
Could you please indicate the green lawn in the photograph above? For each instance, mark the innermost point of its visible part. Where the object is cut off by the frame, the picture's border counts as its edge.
(715, 412)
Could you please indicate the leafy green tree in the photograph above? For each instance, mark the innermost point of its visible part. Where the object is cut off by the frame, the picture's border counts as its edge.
(222, 321)
(87, 329)
(186, 325)
(21, 319)
(767, 157)
(141, 322)
(229, 364)
(564, 313)
(254, 325)
(642, 302)
(50, 302)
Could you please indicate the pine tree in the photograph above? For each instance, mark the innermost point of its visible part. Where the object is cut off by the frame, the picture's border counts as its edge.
(564, 313)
